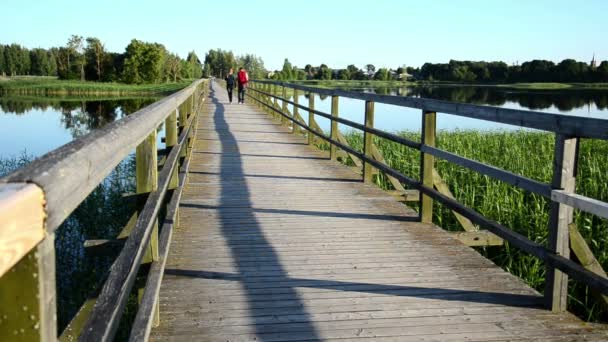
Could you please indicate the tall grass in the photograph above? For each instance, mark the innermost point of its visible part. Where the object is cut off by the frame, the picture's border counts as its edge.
(46, 86)
(526, 153)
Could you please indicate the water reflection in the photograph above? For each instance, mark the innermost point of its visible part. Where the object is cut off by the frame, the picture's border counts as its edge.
(39, 125)
(563, 100)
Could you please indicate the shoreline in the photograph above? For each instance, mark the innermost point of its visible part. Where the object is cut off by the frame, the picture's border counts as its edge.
(44, 86)
(520, 86)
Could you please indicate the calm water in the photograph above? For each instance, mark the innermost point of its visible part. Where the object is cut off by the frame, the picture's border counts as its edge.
(39, 125)
(35, 126)
(589, 103)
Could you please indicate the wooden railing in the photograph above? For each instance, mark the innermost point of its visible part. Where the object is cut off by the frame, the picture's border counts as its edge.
(561, 192)
(36, 199)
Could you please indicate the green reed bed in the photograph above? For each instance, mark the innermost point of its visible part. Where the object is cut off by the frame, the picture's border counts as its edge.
(526, 153)
(47, 87)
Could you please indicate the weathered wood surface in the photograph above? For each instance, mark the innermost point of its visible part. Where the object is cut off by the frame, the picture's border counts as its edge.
(21, 222)
(277, 242)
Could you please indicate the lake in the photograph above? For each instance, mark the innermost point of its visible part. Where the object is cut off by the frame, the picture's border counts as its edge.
(584, 103)
(31, 127)
(38, 125)
(35, 125)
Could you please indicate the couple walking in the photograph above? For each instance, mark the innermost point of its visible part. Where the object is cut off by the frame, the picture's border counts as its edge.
(241, 79)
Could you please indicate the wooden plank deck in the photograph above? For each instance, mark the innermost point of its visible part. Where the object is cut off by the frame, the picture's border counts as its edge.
(277, 243)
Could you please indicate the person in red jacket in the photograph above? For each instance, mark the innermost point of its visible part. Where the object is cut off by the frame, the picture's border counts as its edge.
(242, 79)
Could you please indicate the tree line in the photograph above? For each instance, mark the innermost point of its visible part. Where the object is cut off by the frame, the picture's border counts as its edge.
(351, 72)
(567, 70)
(88, 59)
(218, 62)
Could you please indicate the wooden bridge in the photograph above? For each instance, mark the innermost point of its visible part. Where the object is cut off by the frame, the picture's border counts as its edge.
(263, 237)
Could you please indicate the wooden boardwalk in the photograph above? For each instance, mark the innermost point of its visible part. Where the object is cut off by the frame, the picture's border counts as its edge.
(277, 243)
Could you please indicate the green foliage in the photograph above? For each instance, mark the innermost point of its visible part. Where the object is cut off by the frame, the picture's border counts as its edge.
(536, 70)
(2, 61)
(254, 66)
(220, 62)
(142, 62)
(95, 56)
(383, 74)
(194, 66)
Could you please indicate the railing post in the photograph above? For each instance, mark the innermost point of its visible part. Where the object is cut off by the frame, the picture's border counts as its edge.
(28, 310)
(183, 118)
(560, 217)
(267, 100)
(311, 117)
(275, 92)
(170, 141)
(334, 127)
(146, 168)
(368, 141)
(284, 106)
(192, 129)
(429, 120)
(295, 110)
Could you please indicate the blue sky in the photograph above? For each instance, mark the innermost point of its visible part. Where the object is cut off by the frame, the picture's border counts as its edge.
(334, 32)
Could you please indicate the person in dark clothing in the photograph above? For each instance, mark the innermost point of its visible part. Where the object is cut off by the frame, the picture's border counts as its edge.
(242, 80)
(230, 84)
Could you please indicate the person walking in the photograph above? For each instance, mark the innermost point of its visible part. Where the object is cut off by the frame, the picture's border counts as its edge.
(242, 79)
(230, 84)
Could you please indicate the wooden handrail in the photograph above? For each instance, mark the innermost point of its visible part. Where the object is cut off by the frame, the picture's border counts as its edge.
(68, 174)
(582, 127)
(36, 199)
(564, 126)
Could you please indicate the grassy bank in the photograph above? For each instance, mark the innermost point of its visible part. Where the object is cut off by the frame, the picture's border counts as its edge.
(525, 153)
(45, 86)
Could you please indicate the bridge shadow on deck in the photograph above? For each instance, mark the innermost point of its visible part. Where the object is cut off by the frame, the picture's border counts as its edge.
(232, 171)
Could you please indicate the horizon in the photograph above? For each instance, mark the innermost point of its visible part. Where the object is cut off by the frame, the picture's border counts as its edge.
(336, 34)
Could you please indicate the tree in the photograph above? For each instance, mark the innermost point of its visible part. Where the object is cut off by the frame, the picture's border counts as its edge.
(343, 74)
(173, 68)
(286, 72)
(144, 62)
(254, 66)
(537, 71)
(602, 72)
(352, 71)
(39, 59)
(570, 70)
(324, 72)
(76, 56)
(94, 55)
(311, 72)
(11, 57)
(133, 60)
(2, 61)
(194, 64)
(382, 74)
(371, 70)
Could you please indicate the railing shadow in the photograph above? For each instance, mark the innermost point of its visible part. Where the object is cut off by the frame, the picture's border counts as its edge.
(437, 293)
(232, 172)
